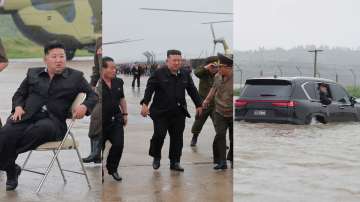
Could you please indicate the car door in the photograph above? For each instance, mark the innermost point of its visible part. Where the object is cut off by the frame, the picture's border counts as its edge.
(343, 110)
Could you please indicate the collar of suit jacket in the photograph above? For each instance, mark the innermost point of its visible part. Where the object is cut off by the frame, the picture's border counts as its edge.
(64, 73)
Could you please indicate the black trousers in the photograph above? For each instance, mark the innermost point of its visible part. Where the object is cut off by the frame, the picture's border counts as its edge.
(138, 81)
(175, 125)
(222, 124)
(16, 138)
(114, 132)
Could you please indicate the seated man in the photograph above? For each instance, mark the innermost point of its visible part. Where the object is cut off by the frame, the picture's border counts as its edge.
(40, 107)
(325, 98)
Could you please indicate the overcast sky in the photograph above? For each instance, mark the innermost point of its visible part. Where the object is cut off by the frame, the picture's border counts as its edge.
(287, 23)
(163, 30)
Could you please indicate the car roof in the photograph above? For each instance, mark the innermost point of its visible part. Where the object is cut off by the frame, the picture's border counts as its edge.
(297, 78)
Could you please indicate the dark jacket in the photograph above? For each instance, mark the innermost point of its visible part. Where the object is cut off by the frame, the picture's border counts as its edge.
(136, 72)
(159, 84)
(324, 98)
(36, 91)
(111, 100)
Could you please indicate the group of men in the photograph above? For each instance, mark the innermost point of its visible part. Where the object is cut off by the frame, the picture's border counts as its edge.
(166, 91)
(169, 108)
(42, 102)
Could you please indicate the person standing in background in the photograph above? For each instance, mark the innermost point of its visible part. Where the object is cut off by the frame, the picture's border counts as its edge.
(95, 128)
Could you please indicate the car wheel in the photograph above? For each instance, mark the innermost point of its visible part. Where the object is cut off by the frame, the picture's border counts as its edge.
(315, 120)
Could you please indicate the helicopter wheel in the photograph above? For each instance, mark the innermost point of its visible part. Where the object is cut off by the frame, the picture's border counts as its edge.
(70, 54)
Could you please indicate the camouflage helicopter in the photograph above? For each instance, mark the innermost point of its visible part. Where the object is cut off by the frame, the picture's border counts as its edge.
(75, 23)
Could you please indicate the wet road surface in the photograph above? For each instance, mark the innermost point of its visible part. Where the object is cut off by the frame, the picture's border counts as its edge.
(140, 182)
(297, 163)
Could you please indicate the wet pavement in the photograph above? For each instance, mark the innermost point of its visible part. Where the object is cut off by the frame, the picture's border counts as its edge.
(280, 162)
(54, 189)
(140, 182)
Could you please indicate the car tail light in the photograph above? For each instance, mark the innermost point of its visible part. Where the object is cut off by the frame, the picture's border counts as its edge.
(240, 103)
(284, 103)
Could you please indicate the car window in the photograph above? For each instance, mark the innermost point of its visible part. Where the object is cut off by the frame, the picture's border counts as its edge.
(268, 89)
(311, 90)
(338, 93)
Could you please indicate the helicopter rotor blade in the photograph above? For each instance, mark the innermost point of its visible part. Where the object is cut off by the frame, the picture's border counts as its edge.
(122, 41)
(187, 11)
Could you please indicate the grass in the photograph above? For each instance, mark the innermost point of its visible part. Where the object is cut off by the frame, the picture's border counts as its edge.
(237, 92)
(20, 47)
(353, 91)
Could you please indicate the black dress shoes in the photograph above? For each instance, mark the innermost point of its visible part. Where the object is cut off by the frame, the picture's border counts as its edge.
(92, 158)
(222, 165)
(194, 140)
(176, 167)
(12, 178)
(156, 163)
(116, 176)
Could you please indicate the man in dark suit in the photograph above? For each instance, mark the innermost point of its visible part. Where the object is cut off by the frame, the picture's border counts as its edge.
(40, 107)
(114, 115)
(168, 109)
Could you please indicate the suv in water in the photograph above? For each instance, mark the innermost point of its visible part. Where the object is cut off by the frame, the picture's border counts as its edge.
(294, 100)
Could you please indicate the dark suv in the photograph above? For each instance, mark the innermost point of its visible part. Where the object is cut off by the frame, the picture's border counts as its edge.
(294, 100)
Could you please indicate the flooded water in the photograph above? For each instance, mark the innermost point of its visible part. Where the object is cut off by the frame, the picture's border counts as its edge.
(276, 162)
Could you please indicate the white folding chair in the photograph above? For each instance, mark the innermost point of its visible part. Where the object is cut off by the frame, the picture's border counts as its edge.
(67, 143)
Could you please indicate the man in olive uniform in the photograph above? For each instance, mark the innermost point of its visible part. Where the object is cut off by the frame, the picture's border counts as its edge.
(3, 58)
(3, 62)
(222, 90)
(95, 128)
(206, 75)
(169, 109)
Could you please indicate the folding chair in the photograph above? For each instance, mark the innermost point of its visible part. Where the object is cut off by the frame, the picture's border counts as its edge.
(67, 143)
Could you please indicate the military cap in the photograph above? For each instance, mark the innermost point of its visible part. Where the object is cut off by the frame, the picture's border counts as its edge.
(226, 59)
(211, 59)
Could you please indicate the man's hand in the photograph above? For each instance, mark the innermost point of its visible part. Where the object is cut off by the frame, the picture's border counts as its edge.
(145, 110)
(3, 65)
(19, 111)
(199, 111)
(205, 103)
(79, 112)
(125, 117)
